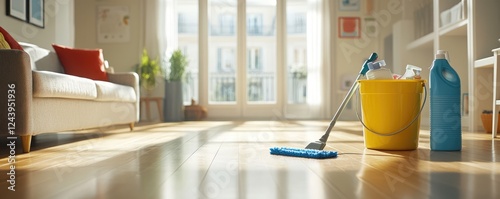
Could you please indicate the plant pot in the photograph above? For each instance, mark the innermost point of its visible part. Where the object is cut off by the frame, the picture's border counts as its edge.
(173, 105)
(487, 122)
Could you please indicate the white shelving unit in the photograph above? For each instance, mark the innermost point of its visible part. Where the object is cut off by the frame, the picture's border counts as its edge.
(430, 35)
(423, 42)
(484, 35)
(496, 94)
(485, 62)
(456, 29)
(469, 37)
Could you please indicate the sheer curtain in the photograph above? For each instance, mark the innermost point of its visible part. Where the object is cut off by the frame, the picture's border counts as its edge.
(318, 57)
(160, 37)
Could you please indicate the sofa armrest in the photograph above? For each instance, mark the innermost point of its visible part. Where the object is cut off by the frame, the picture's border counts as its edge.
(125, 78)
(16, 91)
(129, 79)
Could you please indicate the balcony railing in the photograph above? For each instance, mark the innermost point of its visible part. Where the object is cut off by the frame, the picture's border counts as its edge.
(222, 87)
(296, 29)
(297, 89)
(187, 28)
(260, 30)
(216, 30)
(261, 87)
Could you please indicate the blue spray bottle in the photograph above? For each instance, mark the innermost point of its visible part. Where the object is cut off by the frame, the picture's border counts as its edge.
(444, 84)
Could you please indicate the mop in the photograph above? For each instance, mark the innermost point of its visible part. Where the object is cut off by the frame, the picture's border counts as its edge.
(315, 149)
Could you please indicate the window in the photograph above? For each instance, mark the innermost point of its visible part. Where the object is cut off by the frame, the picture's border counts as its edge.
(187, 21)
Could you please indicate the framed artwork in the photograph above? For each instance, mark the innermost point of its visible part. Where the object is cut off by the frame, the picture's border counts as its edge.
(36, 12)
(349, 5)
(113, 24)
(370, 27)
(349, 27)
(17, 9)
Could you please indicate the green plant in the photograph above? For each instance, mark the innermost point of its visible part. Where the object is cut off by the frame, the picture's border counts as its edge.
(178, 62)
(148, 70)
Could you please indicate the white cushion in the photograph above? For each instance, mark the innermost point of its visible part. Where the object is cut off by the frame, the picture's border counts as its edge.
(107, 91)
(36, 53)
(57, 85)
(41, 58)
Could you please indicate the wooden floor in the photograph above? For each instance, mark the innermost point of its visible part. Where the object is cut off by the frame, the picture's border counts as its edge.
(231, 160)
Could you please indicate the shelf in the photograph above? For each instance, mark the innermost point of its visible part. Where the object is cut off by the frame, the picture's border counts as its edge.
(423, 42)
(484, 63)
(456, 29)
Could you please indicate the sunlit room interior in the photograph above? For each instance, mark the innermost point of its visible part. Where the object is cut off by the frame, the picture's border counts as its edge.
(186, 98)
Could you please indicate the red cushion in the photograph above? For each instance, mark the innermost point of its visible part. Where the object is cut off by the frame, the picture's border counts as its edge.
(88, 63)
(12, 42)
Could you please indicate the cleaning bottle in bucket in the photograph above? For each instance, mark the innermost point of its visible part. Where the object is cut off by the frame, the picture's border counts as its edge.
(377, 71)
(445, 119)
(412, 72)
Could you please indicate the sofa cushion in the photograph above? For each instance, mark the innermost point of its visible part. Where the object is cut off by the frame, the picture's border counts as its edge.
(3, 44)
(107, 91)
(88, 63)
(56, 85)
(12, 42)
(36, 53)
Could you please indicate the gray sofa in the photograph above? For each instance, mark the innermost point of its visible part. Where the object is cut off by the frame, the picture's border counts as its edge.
(37, 97)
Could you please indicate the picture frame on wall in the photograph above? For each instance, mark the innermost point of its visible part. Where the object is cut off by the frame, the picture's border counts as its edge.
(349, 5)
(36, 13)
(16, 9)
(371, 27)
(349, 27)
(113, 24)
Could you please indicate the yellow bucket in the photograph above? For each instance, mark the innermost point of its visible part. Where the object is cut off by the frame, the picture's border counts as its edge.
(391, 113)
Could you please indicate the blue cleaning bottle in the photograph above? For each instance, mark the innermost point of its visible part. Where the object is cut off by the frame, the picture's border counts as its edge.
(445, 118)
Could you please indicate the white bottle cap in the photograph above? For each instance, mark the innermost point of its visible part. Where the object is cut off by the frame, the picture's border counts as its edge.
(376, 65)
(442, 54)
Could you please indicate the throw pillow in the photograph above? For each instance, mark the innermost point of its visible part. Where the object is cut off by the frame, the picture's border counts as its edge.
(12, 42)
(88, 63)
(3, 43)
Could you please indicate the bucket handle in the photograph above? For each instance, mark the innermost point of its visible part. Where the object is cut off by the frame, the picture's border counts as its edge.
(404, 128)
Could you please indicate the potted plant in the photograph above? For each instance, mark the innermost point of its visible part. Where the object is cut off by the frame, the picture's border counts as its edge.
(487, 119)
(148, 70)
(174, 103)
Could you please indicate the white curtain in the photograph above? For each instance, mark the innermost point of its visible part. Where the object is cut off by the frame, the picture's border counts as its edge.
(318, 57)
(160, 28)
(161, 39)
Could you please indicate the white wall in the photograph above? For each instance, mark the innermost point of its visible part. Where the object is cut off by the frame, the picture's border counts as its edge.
(349, 53)
(58, 25)
(73, 23)
(121, 56)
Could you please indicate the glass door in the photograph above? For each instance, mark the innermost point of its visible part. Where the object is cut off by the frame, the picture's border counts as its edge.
(252, 59)
(261, 67)
(296, 59)
(242, 67)
(224, 99)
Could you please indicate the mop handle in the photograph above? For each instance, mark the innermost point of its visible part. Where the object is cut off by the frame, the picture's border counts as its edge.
(353, 88)
(348, 97)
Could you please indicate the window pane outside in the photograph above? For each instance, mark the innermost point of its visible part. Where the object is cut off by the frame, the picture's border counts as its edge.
(187, 22)
(296, 21)
(222, 69)
(261, 51)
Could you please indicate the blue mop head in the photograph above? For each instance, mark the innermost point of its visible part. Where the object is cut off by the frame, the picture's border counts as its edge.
(305, 153)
